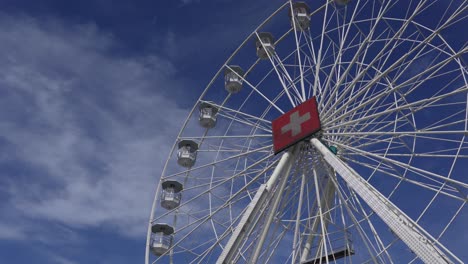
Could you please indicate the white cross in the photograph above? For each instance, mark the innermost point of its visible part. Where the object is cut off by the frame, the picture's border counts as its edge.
(295, 124)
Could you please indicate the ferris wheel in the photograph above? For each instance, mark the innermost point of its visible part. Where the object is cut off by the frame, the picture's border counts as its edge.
(335, 133)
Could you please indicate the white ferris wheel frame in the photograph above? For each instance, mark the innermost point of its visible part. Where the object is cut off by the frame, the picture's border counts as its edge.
(426, 247)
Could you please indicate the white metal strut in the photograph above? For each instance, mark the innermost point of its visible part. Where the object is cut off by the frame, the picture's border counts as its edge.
(413, 235)
(254, 209)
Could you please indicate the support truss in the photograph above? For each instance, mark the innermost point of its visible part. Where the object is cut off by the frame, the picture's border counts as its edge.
(254, 210)
(413, 235)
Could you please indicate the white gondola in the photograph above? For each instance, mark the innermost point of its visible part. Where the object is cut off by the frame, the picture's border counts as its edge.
(187, 153)
(265, 44)
(207, 118)
(301, 13)
(171, 194)
(161, 238)
(233, 79)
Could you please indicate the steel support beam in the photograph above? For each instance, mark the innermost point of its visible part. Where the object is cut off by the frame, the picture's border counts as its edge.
(328, 195)
(272, 211)
(413, 235)
(253, 211)
(324, 202)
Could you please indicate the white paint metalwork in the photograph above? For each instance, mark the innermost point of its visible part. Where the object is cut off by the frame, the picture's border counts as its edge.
(403, 226)
(392, 93)
(250, 216)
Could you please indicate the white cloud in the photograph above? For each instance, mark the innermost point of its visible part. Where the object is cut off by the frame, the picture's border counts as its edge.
(186, 2)
(11, 232)
(60, 260)
(85, 130)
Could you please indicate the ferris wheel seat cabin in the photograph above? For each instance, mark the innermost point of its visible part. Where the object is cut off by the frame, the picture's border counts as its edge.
(187, 154)
(265, 44)
(301, 12)
(171, 194)
(233, 79)
(207, 117)
(161, 240)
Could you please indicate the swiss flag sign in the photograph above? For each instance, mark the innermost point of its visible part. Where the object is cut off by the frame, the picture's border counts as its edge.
(295, 125)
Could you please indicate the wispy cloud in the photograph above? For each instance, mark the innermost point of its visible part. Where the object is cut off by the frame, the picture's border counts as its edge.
(84, 131)
(187, 2)
(11, 231)
(62, 260)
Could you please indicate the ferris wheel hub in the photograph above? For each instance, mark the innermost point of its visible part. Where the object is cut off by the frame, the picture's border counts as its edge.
(299, 123)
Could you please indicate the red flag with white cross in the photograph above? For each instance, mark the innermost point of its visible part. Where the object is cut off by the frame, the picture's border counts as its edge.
(297, 124)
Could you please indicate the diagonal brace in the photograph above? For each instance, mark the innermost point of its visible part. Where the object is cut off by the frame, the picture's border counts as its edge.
(413, 235)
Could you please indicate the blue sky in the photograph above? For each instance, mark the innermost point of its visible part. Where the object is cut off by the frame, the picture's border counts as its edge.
(92, 94)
